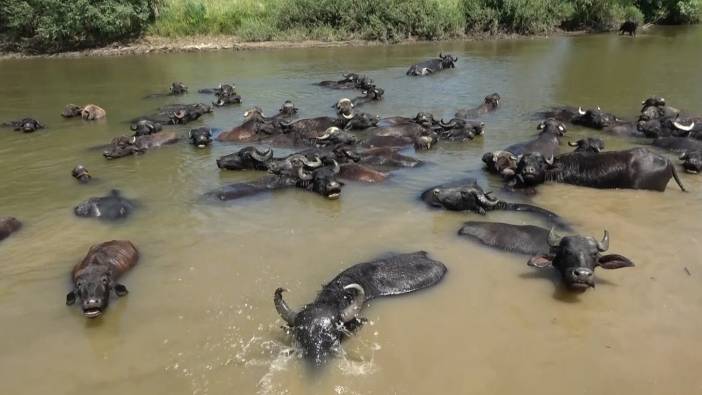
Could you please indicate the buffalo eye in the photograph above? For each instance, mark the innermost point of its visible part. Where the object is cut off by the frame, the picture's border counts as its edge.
(105, 280)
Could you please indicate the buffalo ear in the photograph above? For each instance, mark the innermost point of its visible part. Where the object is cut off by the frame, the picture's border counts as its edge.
(121, 290)
(70, 298)
(614, 261)
(540, 261)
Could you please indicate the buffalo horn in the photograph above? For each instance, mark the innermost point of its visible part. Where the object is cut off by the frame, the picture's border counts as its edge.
(303, 175)
(282, 308)
(603, 245)
(354, 308)
(572, 144)
(580, 111)
(262, 156)
(553, 239)
(683, 127)
(450, 124)
(549, 161)
(683, 156)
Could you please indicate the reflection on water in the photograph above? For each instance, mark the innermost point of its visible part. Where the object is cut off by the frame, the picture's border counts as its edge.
(199, 318)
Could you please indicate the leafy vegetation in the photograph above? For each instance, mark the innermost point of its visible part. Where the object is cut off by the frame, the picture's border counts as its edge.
(56, 25)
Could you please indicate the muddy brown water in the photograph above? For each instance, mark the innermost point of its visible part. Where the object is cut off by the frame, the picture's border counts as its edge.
(200, 318)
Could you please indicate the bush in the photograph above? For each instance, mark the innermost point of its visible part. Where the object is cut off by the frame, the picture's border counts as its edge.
(514, 16)
(672, 11)
(55, 25)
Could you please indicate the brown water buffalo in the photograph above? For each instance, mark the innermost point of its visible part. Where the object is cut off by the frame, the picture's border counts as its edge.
(81, 174)
(96, 275)
(8, 226)
(89, 112)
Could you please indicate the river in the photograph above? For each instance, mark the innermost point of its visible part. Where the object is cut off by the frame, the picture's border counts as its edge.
(199, 318)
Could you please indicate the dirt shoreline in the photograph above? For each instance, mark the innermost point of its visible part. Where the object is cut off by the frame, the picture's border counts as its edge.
(159, 45)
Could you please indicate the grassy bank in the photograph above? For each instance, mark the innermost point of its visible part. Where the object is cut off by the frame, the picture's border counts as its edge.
(42, 26)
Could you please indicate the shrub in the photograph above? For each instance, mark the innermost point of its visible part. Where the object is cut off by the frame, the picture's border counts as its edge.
(518, 16)
(55, 25)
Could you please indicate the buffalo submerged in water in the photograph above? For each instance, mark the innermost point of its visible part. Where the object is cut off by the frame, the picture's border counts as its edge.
(575, 257)
(319, 327)
(95, 277)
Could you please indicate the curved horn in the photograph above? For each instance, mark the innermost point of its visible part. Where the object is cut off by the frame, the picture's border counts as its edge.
(303, 175)
(132, 140)
(603, 245)
(313, 164)
(580, 111)
(190, 134)
(336, 169)
(352, 310)
(553, 239)
(683, 156)
(347, 116)
(572, 144)
(328, 133)
(549, 161)
(441, 55)
(282, 308)
(683, 127)
(450, 124)
(262, 156)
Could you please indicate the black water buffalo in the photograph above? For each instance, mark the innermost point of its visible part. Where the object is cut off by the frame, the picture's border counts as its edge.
(575, 257)
(320, 179)
(692, 161)
(655, 107)
(636, 168)
(678, 144)
(433, 65)
(490, 103)
(200, 137)
(371, 94)
(177, 114)
(144, 127)
(320, 326)
(628, 27)
(350, 81)
(111, 207)
(504, 162)
(589, 144)
(25, 125)
(8, 226)
(223, 90)
(227, 100)
(176, 89)
(125, 146)
(459, 129)
(665, 127)
(81, 174)
(467, 195)
(95, 277)
(594, 118)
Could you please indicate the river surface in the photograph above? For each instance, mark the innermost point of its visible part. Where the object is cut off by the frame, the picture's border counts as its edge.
(199, 318)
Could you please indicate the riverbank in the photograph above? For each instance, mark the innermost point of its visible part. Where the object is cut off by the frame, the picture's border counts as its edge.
(158, 45)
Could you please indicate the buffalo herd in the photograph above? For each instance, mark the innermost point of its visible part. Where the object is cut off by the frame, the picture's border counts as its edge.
(356, 146)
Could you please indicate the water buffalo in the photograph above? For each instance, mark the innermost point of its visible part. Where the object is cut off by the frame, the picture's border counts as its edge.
(490, 104)
(665, 127)
(81, 174)
(25, 125)
(314, 127)
(227, 100)
(588, 144)
(433, 65)
(200, 137)
(89, 112)
(287, 112)
(247, 158)
(362, 121)
(628, 27)
(96, 275)
(176, 89)
(335, 136)
(636, 168)
(319, 327)
(467, 195)
(350, 81)
(505, 161)
(692, 161)
(124, 146)
(320, 179)
(459, 129)
(145, 127)
(111, 207)
(371, 94)
(8, 226)
(575, 257)
(177, 114)
(223, 89)
(678, 144)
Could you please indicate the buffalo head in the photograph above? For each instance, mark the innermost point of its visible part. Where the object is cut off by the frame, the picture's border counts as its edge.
(322, 180)
(335, 136)
(576, 257)
(247, 158)
(552, 126)
(594, 118)
(492, 101)
(459, 129)
(145, 127)
(532, 168)
(362, 121)
(93, 288)
(200, 137)
(288, 108)
(344, 108)
(178, 88)
(123, 146)
(319, 327)
(589, 144)
(501, 162)
(71, 110)
(81, 174)
(468, 197)
(692, 161)
(448, 61)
